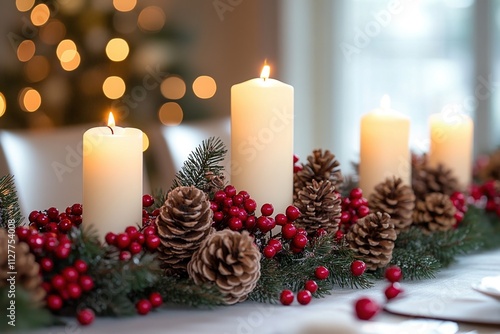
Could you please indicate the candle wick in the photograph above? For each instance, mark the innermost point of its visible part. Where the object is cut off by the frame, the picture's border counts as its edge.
(112, 132)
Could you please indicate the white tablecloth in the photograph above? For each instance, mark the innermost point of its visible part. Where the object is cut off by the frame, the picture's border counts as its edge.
(333, 314)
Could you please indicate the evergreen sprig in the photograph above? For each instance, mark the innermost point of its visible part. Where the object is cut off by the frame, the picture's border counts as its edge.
(205, 158)
(291, 271)
(183, 291)
(9, 202)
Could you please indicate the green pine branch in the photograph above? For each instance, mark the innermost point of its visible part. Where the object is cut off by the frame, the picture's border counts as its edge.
(205, 158)
(9, 202)
(291, 271)
(183, 291)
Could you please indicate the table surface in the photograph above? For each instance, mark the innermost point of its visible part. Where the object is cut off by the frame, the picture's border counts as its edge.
(333, 314)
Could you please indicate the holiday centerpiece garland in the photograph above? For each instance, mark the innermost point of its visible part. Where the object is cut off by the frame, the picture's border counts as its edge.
(205, 243)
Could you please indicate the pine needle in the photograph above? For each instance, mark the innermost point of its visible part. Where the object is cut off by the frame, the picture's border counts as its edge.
(9, 202)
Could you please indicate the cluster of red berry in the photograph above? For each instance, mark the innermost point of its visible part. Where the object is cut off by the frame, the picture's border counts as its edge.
(144, 306)
(487, 195)
(133, 240)
(297, 167)
(460, 203)
(366, 308)
(46, 236)
(51, 220)
(310, 286)
(353, 207)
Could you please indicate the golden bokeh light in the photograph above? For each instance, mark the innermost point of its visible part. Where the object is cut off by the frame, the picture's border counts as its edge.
(113, 87)
(24, 5)
(151, 19)
(117, 49)
(29, 99)
(173, 88)
(170, 114)
(37, 68)
(3, 104)
(26, 50)
(124, 5)
(72, 7)
(204, 87)
(145, 141)
(53, 32)
(40, 15)
(64, 46)
(70, 60)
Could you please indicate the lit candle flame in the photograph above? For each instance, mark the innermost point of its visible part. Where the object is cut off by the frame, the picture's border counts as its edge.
(111, 120)
(385, 102)
(265, 72)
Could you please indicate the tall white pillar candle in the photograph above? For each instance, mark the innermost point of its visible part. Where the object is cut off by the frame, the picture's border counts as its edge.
(451, 144)
(262, 140)
(112, 178)
(384, 150)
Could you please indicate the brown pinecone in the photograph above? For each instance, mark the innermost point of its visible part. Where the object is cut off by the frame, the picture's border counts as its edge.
(434, 179)
(230, 260)
(184, 222)
(396, 199)
(214, 182)
(27, 269)
(491, 171)
(320, 166)
(372, 239)
(435, 213)
(320, 207)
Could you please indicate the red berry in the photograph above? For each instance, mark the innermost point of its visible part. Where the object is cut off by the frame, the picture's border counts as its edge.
(244, 194)
(143, 306)
(288, 231)
(230, 190)
(65, 225)
(363, 211)
(52, 227)
(296, 250)
(356, 193)
(74, 290)
(286, 297)
(140, 238)
(155, 299)
(110, 238)
(122, 240)
(267, 209)
(152, 242)
(356, 203)
(250, 222)
(58, 282)
(54, 302)
(304, 297)
(459, 216)
(321, 232)
(135, 248)
(276, 244)
(147, 201)
(22, 232)
(269, 251)
(311, 286)
(76, 220)
(250, 205)
(35, 241)
(234, 211)
(150, 230)
(219, 196)
(131, 231)
(70, 274)
(366, 308)
(42, 219)
(392, 291)
(86, 282)
(47, 264)
(228, 202)
(62, 252)
(218, 216)
(46, 286)
(358, 267)
(302, 231)
(265, 224)
(125, 255)
(292, 212)
(281, 219)
(299, 241)
(321, 272)
(235, 224)
(238, 199)
(33, 215)
(53, 213)
(393, 274)
(76, 209)
(85, 317)
(345, 217)
(295, 158)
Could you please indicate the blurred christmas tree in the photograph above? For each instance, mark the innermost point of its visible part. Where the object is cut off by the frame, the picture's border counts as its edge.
(79, 59)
